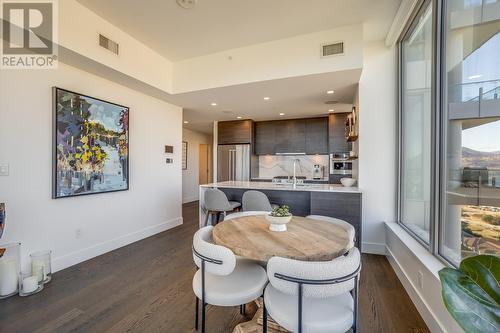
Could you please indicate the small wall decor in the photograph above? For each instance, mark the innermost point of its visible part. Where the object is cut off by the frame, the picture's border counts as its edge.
(184, 155)
(2, 220)
(169, 149)
(91, 145)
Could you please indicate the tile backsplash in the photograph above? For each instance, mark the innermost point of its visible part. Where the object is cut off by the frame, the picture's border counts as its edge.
(278, 165)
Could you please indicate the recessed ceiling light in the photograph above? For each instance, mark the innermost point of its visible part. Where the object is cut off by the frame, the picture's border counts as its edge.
(239, 117)
(331, 110)
(329, 92)
(282, 114)
(267, 98)
(186, 122)
(214, 104)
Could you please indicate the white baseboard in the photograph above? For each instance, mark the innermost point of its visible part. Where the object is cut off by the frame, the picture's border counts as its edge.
(414, 294)
(113, 244)
(373, 248)
(190, 199)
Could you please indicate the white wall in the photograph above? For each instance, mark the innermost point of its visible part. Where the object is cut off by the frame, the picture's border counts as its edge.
(106, 221)
(409, 258)
(79, 28)
(377, 143)
(289, 57)
(190, 177)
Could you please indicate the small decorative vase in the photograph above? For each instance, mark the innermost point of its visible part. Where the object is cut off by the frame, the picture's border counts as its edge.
(41, 266)
(278, 223)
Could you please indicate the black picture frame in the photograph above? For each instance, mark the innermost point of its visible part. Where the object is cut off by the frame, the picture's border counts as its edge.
(55, 194)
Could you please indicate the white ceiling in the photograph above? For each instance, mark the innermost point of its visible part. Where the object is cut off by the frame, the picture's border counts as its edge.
(218, 25)
(303, 96)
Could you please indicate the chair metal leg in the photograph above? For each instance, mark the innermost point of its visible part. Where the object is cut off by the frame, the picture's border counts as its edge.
(203, 296)
(356, 304)
(242, 310)
(300, 309)
(264, 316)
(196, 314)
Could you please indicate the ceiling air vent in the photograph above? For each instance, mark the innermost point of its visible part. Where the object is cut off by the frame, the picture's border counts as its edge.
(108, 44)
(332, 49)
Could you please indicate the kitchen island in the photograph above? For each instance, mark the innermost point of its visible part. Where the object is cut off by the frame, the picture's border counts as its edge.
(331, 200)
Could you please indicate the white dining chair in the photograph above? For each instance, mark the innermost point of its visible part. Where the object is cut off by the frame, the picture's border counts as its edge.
(314, 297)
(222, 280)
(351, 232)
(240, 214)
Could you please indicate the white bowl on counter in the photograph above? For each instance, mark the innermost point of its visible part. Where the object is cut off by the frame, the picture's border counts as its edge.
(278, 223)
(348, 182)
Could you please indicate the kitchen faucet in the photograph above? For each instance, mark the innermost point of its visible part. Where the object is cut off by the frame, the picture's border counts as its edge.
(294, 178)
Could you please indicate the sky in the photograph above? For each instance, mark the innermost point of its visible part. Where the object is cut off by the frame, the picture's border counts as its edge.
(482, 65)
(483, 138)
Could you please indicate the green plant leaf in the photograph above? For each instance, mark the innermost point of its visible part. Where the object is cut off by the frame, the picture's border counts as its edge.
(485, 271)
(471, 293)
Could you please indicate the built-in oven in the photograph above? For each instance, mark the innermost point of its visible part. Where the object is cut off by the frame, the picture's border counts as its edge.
(340, 164)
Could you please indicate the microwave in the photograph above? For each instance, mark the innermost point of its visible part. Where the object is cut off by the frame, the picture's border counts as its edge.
(340, 164)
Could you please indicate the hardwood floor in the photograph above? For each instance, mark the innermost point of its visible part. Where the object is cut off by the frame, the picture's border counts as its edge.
(146, 287)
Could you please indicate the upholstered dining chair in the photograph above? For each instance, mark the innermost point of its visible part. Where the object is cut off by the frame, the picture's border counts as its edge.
(240, 214)
(216, 202)
(351, 232)
(314, 297)
(254, 201)
(222, 280)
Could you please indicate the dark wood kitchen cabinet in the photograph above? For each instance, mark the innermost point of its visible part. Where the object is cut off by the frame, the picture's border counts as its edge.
(317, 135)
(235, 132)
(336, 133)
(264, 137)
(290, 136)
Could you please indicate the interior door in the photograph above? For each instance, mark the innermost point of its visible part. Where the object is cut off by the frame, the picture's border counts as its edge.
(205, 164)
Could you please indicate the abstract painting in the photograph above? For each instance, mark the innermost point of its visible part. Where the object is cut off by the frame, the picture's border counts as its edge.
(91, 145)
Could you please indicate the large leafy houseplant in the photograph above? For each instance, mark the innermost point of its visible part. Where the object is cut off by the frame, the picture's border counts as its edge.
(471, 293)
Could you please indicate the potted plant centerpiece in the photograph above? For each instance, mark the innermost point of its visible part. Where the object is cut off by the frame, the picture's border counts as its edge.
(278, 218)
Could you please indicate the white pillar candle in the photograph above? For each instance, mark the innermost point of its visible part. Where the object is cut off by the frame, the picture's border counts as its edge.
(30, 284)
(9, 276)
(38, 271)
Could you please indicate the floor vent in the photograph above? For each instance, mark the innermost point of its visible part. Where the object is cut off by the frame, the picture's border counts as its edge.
(332, 49)
(108, 44)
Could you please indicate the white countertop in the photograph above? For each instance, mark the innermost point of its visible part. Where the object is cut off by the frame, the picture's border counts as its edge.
(284, 187)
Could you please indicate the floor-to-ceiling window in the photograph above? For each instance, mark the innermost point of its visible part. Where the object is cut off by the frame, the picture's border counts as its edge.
(450, 172)
(470, 206)
(416, 123)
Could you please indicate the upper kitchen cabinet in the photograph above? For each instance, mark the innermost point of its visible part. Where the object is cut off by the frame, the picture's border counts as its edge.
(290, 136)
(280, 137)
(317, 136)
(264, 137)
(235, 132)
(337, 133)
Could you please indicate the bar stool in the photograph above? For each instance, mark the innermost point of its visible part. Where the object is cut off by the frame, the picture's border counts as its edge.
(216, 202)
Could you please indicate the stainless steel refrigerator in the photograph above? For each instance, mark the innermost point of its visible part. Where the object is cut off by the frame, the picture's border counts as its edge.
(233, 162)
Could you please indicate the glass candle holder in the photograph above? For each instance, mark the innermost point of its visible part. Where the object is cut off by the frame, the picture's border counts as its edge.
(29, 284)
(10, 268)
(41, 267)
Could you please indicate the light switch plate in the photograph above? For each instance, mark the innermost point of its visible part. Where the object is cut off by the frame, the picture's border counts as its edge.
(4, 169)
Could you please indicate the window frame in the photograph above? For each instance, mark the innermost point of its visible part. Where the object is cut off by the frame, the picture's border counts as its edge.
(438, 127)
(419, 10)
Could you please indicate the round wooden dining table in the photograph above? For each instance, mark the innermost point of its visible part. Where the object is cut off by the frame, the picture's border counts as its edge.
(306, 239)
